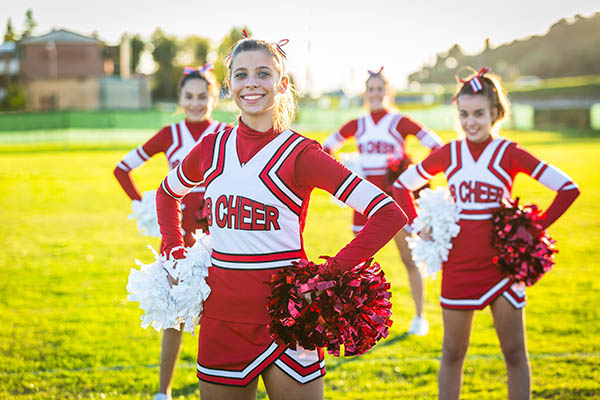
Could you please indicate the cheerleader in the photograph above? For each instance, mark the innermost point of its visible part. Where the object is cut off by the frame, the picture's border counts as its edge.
(258, 177)
(381, 137)
(198, 96)
(480, 169)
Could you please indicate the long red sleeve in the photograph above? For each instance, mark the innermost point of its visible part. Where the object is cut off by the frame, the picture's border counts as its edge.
(380, 227)
(127, 183)
(520, 160)
(158, 143)
(559, 206)
(169, 221)
(167, 207)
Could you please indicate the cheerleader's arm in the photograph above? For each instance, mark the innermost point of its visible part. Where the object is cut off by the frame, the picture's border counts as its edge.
(520, 160)
(181, 180)
(417, 176)
(335, 140)
(315, 168)
(138, 156)
(428, 138)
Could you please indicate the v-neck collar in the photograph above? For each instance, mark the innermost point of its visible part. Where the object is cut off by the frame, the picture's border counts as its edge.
(197, 128)
(483, 145)
(248, 140)
(263, 149)
(378, 115)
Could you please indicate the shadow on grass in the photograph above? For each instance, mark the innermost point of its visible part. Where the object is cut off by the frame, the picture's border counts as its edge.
(188, 390)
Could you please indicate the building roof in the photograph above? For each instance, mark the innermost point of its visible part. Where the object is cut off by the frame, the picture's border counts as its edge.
(60, 36)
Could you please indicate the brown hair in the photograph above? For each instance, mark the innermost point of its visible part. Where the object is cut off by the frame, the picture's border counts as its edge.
(211, 81)
(491, 89)
(285, 103)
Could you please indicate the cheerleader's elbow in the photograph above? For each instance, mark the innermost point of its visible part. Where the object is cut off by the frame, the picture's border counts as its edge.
(402, 219)
(393, 215)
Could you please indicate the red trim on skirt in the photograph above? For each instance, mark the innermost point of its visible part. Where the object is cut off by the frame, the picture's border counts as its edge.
(234, 354)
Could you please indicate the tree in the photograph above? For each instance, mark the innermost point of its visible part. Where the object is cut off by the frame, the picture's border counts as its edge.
(194, 51)
(10, 35)
(202, 47)
(165, 49)
(137, 48)
(30, 23)
(225, 48)
(15, 99)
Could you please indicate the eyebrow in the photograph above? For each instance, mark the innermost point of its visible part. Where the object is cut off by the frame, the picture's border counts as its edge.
(479, 109)
(244, 68)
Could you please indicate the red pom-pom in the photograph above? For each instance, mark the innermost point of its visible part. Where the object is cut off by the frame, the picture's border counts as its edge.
(351, 309)
(396, 166)
(526, 252)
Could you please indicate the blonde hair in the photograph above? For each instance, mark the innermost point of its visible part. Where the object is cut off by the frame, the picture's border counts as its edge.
(492, 90)
(285, 103)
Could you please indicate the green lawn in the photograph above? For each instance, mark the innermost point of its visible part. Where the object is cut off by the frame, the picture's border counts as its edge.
(69, 332)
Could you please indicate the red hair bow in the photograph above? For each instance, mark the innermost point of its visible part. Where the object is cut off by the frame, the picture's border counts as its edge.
(371, 73)
(474, 81)
(278, 45)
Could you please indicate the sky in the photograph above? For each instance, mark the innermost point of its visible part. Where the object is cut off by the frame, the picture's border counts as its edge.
(333, 43)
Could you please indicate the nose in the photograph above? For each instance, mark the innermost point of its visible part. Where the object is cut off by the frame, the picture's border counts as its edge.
(251, 82)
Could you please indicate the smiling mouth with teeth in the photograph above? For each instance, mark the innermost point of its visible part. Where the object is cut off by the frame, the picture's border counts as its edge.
(252, 97)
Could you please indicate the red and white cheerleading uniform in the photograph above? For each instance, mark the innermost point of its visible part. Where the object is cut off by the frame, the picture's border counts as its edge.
(479, 176)
(258, 186)
(379, 136)
(175, 141)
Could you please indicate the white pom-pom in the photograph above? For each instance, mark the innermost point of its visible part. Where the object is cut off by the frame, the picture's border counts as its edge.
(352, 162)
(169, 307)
(436, 213)
(144, 211)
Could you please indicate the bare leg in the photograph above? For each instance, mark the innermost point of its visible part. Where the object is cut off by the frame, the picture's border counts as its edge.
(281, 387)
(510, 327)
(414, 275)
(457, 333)
(212, 391)
(169, 354)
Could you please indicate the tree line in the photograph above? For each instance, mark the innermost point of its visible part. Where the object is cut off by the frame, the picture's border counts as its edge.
(569, 48)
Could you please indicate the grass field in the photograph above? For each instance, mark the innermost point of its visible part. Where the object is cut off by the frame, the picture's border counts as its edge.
(68, 332)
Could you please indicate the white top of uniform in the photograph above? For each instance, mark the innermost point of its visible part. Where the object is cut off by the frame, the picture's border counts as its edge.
(252, 223)
(377, 142)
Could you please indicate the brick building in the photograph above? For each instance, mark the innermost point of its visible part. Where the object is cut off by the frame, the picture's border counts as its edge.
(66, 70)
